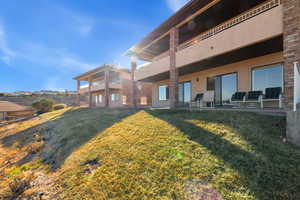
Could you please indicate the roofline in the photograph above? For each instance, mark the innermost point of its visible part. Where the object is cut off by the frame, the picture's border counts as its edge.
(110, 66)
(131, 51)
(20, 109)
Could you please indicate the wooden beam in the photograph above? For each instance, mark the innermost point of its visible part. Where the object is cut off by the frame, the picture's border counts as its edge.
(200, 11)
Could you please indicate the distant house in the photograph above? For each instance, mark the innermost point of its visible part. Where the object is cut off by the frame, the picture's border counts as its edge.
(112, 86)
(11, 111)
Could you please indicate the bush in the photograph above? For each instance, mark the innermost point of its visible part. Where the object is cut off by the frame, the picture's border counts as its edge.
(59, 106)
(43, 105)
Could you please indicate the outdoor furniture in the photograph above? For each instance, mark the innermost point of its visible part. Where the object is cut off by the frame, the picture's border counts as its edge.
(238, 97)
(197, 101)
(209, 97)
(272, 94)
(254, 97)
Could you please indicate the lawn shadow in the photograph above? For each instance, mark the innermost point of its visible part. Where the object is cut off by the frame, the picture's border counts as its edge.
(55, 140)
(271, 168)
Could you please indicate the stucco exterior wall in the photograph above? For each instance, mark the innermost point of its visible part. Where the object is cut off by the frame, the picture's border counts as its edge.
(199, 79)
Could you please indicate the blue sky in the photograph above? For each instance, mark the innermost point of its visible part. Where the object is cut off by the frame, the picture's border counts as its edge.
(44, 43)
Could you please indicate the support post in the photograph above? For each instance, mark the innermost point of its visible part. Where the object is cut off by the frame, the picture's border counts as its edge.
(106, 91)
(78, 93)
(291, 45)
(133, 87)
(90, 92)
(173, 70)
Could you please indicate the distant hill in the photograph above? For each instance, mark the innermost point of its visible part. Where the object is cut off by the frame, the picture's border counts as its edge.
(27, 100)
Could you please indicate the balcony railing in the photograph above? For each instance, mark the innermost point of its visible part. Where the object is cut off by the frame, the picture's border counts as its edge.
(232, 22)
(84, 86)
(98, 83)
(225, 25)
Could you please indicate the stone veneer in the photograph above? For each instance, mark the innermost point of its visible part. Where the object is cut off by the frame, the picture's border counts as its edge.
(291, 33)
(173, 87)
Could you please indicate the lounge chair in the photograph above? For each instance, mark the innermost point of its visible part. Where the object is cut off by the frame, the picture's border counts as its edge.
(238, 97)
(272, 94)
(197, 101)
(254, 97)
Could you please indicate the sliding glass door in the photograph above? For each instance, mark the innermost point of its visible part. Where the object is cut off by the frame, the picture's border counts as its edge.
(229, 87)
(224, 86)
(184, 92)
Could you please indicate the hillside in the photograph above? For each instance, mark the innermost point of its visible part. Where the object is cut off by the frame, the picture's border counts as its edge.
(130, 154)
(28, 100)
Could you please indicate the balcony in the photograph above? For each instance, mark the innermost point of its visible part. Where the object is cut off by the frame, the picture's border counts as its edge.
(100, 85)
(259, 24)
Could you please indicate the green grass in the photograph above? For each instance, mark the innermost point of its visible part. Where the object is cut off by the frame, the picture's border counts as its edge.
(161, 154)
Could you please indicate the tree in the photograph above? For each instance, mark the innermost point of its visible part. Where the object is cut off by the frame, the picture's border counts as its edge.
(43, 105)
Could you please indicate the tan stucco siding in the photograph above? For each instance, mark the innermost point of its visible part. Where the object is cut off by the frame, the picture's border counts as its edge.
(243, 70)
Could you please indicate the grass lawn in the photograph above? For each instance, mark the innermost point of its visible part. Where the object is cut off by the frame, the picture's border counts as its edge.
(151, 154)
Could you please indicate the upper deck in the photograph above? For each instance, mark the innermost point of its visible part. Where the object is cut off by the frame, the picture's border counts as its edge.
(257, 28)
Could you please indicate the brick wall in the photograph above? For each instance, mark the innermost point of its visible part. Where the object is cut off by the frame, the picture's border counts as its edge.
(291, 24)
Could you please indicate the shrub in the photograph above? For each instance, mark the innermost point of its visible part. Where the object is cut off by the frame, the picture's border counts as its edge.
(59, 106)
(43, 105)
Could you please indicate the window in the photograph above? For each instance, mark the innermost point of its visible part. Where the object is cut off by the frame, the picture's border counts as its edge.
(143, 100)
(163, 93)
(184, 92)
(228, 87)
(124, 100)
(267, 77)
(115, 97)
(100, 98)
(115, 78)
(95, 99)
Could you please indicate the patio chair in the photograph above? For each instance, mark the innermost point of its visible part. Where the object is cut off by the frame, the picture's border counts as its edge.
(238, 97)
(197, 101)
(254, 97)
(272, 94)
(209, 97)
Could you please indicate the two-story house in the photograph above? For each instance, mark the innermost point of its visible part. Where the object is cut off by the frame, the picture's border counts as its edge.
(224, 46)
(111, 86)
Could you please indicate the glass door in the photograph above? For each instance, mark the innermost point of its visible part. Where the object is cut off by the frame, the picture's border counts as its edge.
(224, 86)
(229, 87)
(184, 93)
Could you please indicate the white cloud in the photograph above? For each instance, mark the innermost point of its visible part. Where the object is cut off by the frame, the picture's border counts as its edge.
(175, 5)
(60, 59)
(67, 61)
(6, 53)
(79, 22)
